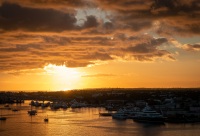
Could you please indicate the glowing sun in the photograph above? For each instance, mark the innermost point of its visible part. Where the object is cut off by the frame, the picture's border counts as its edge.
(63, 77)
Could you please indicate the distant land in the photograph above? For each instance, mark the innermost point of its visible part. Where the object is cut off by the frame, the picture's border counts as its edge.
(101, 95)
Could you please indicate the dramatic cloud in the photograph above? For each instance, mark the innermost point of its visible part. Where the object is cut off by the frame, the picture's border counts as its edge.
(15, 17)
(148, 50)
(179, 16)
(53, 4)
(80, 33)
(190, 47)
(91, 22)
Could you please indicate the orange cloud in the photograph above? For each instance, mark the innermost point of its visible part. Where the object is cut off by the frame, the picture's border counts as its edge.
(35, 33)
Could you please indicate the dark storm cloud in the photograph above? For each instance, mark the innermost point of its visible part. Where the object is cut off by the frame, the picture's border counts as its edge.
(128, 14)
(147, 47)
(181, 17)
(73, 3)
(148, 50)
(15, 17)
(124, 4)
(175, 6)
(53, 4)
(175, 16)
(90, 22)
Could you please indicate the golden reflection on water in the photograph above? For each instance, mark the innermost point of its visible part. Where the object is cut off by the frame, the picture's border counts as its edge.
(82, 121)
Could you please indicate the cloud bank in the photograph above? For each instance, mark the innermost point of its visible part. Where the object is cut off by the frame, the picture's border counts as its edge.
(35, 33)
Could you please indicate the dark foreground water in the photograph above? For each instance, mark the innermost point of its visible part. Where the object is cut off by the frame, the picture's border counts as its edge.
(84, 121)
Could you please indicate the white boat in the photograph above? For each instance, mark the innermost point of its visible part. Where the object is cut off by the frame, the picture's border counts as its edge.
(148, 115)
(120, 114)
(76, 104)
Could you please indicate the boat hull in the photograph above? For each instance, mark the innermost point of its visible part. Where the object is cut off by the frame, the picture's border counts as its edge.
(105, 114)
(149, 120)
(2, 118)
(32, 112)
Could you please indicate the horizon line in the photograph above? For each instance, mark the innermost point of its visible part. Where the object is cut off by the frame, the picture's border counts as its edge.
(101, 88)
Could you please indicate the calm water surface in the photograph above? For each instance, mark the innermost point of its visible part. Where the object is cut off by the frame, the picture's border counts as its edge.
(84, 121)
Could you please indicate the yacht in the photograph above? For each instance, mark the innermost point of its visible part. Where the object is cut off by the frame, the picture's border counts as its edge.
(148, 115)
(120, 114)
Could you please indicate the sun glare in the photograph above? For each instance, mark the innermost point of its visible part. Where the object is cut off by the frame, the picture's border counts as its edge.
(63, 78)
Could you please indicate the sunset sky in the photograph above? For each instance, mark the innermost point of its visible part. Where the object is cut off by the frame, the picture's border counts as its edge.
(75, 44)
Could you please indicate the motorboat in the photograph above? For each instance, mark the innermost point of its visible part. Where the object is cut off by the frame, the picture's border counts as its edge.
(120, 114)
(46, 119)
(148, 115)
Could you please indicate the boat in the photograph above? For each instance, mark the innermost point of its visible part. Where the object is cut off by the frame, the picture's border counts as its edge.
(76, 104)
(15, 110)
(32, 112)
(46, 119)
(44, 105)
(148, 115)
(6, 106)
(105, 113)
(55, 106)
(119, 116)
(2, 117)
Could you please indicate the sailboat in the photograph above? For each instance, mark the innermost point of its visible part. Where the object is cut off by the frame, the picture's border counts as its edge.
(1, 117)
(32, 112)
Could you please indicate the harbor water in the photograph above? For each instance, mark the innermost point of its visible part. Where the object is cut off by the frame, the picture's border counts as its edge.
(82, 121)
